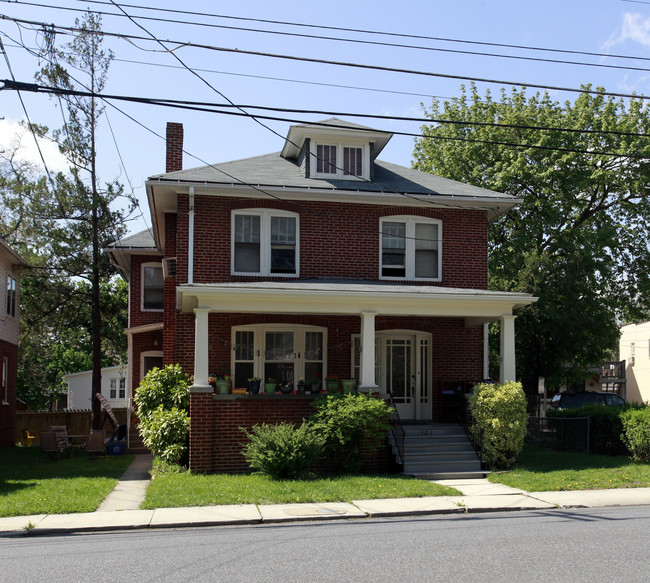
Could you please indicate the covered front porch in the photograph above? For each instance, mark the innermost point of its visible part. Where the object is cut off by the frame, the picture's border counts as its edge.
(377, 352)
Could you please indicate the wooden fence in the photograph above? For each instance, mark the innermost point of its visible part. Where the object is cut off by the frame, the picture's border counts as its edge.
(76, 422)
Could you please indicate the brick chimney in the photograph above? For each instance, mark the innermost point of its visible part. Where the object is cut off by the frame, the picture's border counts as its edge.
(174, 146)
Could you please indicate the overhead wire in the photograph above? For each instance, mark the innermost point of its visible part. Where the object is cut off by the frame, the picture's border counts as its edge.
(346, 40)
(208, 107)
(363, 66)
(361, 30)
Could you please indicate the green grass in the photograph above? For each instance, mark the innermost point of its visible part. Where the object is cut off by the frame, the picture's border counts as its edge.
(543, 470)
(187, 489)
(74, 484)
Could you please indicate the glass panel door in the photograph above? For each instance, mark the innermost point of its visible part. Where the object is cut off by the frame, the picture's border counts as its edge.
(279, 357)
(400, 380)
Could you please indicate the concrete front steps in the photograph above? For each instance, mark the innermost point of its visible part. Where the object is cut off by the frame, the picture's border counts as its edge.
(135, 442)
(438, 451)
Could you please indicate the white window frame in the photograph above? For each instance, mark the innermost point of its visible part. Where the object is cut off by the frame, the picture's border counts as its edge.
(265, 241)
(339, 173)
(409, 256)
(259, 346)
(12, 296)
(158, 265)
(143, 355)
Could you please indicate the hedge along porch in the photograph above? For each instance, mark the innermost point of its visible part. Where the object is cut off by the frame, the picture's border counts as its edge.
(409, 341)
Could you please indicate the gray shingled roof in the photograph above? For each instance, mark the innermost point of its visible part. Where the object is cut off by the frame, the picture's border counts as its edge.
(272, 170)
(142, 240)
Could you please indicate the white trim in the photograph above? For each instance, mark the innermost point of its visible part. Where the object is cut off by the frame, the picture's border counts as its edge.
(410, 221)
(339, 174)
(143, 266)
(143, 355)
(266, 215)
(259, 359)
(190, 238)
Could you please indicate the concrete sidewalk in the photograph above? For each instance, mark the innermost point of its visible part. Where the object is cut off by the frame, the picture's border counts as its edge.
(120, 509)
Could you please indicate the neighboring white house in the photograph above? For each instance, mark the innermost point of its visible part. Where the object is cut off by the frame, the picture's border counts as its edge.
(113, 387)
(634, 348)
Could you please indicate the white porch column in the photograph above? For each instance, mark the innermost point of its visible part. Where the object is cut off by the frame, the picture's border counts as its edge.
(367, 373)
(508, 372)
(201, 365)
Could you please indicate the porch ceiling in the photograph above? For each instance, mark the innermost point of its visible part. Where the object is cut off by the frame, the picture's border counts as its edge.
(342, 298)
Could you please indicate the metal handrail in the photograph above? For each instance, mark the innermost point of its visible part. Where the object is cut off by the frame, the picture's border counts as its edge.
(467, 420)
(396, 428)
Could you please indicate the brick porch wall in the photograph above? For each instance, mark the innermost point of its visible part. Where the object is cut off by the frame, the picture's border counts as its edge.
(216, 440)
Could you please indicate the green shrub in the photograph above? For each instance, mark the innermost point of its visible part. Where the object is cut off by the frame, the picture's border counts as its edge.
(636, 432)
(605, 427)
(165, 433)
(282, 451)
(167, 387)
(500, 417)
(348, 420)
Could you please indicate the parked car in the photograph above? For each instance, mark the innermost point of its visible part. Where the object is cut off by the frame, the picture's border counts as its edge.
(574, 400)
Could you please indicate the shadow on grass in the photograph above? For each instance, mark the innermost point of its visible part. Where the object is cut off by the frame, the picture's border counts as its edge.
(22, 463)
(540, 459)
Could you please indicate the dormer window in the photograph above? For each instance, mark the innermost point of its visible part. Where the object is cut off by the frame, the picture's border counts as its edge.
(341, 161)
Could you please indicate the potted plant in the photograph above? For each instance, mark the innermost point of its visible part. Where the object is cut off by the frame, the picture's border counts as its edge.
(315, 384)
(348, 385)
(332, 383)
(223, 386)
(270, 385)
(254, 385)
(301, 386)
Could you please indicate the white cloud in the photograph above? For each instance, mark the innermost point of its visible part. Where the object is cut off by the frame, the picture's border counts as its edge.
(633, 28)
(13, 134)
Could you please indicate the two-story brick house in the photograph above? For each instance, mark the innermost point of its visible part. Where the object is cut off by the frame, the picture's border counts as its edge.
(319, 259)
(11, 265)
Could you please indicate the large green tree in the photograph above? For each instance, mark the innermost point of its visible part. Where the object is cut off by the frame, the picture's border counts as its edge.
(579, 238)
(73, 310)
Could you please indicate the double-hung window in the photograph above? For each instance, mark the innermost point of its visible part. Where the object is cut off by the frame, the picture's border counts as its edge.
(410, 248)
(341, 161)
(11, 296)
(265, 242)
(152, 287)
(118, 385)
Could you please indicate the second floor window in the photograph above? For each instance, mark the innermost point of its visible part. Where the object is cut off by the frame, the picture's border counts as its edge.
(265, 242)
(11, 296)
(410, 248)
(152, 287)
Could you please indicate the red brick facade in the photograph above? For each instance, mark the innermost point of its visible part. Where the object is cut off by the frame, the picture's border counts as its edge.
(216, 440)
(8, 407)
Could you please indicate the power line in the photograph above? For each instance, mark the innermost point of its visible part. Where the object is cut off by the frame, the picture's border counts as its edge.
(183, 44)
(346, 40)
(370, 32)
(182, 105)
(209, 105)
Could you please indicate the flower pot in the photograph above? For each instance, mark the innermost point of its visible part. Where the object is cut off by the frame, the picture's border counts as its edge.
(270, 387)
(315, 388)
(301, 388)
(286, 389)
(348, 385)
(332, 386)
(223, 387)
(254, 387)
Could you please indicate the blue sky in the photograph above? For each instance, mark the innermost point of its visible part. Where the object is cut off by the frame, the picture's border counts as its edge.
(142, 68)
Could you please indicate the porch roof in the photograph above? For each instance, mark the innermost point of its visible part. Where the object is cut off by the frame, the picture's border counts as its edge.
(346, 298)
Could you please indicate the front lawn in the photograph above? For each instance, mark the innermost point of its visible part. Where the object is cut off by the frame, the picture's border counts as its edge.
(186, 489)
(74, 484)
(543, 470)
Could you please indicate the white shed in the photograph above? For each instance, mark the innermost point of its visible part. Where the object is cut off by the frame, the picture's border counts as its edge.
(113, 387)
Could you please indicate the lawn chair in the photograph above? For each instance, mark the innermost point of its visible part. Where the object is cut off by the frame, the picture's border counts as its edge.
(61, 432)
(28, 438)
(96, 443)
(50, 445)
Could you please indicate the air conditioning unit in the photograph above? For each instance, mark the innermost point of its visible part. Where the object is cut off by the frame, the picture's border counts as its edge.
(169, 267)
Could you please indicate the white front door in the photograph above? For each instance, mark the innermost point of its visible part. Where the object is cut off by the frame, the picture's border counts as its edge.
(405, 373)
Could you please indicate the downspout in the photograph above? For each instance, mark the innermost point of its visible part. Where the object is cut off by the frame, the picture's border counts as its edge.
(486, 351)
(190, 240)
